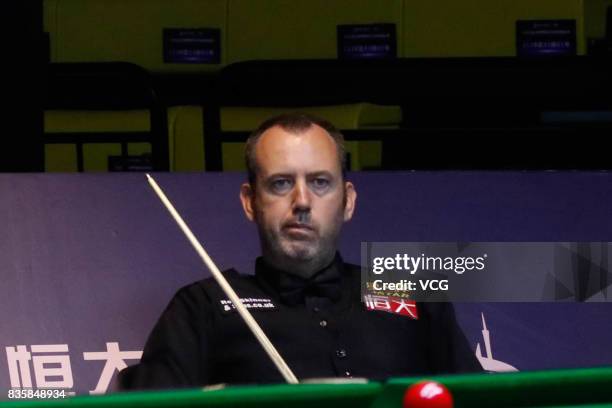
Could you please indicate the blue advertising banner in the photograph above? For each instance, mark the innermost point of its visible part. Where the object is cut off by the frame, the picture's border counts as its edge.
(89, 261)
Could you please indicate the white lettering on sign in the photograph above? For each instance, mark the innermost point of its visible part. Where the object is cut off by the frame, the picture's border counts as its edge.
(52, 369)
(114, 361)
(42, 357)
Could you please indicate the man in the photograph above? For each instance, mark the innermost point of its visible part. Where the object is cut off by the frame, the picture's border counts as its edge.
(309, 299)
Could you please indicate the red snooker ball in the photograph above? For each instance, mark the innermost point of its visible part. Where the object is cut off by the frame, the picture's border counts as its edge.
(427, 394)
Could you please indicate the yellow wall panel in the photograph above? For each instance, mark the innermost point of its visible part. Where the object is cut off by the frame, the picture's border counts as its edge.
(477, 28)
(50, 22)
(186, 138)
(138, 149)
(96, 121)
(595, 18)
(233, 156)
(60, 158)
(120, 30)
(289, 29)
(95, 155)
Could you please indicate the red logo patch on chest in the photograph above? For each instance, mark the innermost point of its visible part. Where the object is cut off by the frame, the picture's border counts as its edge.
(394, 305)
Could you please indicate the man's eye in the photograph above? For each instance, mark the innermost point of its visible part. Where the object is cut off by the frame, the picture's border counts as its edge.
(280, 184)
(320, 183)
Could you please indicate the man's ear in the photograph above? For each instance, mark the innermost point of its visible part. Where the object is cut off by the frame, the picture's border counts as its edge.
(350, 199)
(247, 197)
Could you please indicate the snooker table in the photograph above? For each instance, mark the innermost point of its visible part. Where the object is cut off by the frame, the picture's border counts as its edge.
(591, 387)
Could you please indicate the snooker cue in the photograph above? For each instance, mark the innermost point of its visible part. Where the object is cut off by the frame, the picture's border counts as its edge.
(216, 273)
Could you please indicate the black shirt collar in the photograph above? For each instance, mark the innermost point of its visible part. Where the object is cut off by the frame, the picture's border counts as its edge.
(292, 289)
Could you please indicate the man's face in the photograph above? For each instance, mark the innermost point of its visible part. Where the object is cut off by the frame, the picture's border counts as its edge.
(300, 199)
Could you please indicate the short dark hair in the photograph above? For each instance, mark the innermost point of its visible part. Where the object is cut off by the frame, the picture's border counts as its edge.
(297, 123)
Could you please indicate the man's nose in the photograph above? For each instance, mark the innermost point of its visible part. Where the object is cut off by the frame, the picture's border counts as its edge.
(301, 197)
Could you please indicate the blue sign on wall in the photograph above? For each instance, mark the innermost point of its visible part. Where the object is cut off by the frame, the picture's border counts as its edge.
(367, 41)
(192, 46)
(545, 37)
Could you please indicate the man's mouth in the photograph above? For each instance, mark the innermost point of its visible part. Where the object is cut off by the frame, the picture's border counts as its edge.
(298, 228)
